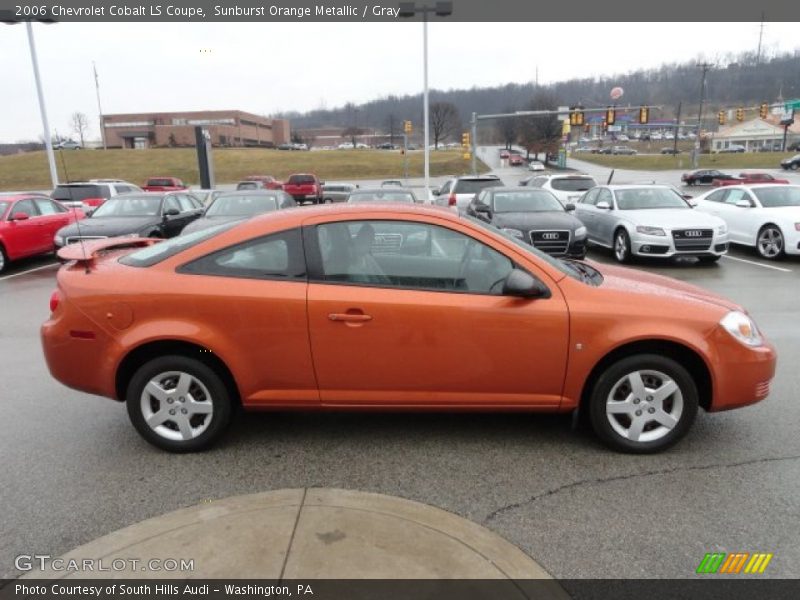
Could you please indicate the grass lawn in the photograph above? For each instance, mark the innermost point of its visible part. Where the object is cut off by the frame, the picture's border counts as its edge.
(29, 171)
(658, 162)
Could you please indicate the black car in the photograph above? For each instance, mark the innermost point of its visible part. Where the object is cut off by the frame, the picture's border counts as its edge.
(792, 163)
(705, 176)
(162, 215)
(238, 206)
(533, 215)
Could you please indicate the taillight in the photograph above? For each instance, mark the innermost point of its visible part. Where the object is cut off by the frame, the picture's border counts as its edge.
(93, 201)
(451, 200)
(55, 300)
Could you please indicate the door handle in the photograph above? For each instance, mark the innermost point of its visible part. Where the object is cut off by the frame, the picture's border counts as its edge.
(350, 318)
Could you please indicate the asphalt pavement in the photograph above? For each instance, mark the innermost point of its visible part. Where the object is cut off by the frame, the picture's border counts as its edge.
(74, 469)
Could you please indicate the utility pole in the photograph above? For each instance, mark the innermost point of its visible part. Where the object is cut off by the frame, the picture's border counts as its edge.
(696, 154)
(473, 129)
(677, 130)
(760, 37)
(99, 108)
(48, 142)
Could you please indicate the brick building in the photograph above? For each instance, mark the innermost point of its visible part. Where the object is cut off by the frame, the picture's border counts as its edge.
(226, 128)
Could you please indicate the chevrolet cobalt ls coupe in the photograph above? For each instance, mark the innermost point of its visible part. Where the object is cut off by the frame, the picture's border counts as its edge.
(390, 307)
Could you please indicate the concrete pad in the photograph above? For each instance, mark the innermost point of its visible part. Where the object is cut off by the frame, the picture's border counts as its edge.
(302, 534)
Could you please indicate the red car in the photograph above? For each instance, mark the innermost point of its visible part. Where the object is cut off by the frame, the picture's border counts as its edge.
(164, 184)
(270, 183)
(748, 178)
(516, 160)
(304, 187)
(504, 153)
(28, 223)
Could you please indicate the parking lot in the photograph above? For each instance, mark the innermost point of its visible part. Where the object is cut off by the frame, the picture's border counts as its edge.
(75, 469)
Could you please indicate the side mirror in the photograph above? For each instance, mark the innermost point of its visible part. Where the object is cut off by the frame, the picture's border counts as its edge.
(744, 204)
(569, 207)
(20, 216)
(171, 212)
(436, 191)
(603, 205)
(522, 284)
(88, 212)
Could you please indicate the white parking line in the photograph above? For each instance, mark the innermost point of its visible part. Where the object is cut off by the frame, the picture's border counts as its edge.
(758, 264)
(30, 271)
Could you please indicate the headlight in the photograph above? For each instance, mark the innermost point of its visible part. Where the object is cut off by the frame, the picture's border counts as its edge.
(58, 240)
(722, 229)
(649, 230)
(580, 232)
(742, 327)
(514, 232)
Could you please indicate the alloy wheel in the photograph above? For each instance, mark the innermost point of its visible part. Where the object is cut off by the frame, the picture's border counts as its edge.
(176, 405)
(644, 406)
(770, 242)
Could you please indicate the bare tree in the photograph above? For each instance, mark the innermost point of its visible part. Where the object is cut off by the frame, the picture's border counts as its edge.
(352, 133)
(80, 124)
(508, 128)
(391, 125)
(541, 133)
(445, 121)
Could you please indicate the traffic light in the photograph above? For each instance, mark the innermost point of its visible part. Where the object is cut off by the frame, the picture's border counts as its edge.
(644, 115)
(576, 117)
(579, 118)
(611, 116)
(721, 117)
(740, 114)
(465, 140)
(407, 127)
(763, 110)
(605, 126)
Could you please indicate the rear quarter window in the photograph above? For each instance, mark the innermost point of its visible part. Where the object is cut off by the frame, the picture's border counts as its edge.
(151, 255)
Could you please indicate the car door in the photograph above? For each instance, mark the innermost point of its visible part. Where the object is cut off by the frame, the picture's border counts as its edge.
(25, 237)
(53, 218)
(586, 212)
(409, 313)
(444, 193)
(743, 222)
(605, 219)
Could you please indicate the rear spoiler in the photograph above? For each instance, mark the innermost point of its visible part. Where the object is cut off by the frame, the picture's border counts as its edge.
(87, 251)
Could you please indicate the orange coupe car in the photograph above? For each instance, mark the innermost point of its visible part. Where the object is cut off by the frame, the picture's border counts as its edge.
(390, 307)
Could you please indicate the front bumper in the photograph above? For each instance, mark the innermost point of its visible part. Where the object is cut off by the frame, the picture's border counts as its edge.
(742, 375)
(664, 246)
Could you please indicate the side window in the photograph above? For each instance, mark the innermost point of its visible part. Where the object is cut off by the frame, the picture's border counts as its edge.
(186, 203)
(46, 207)
(736, 195)
(590, 197)
(604, 195)
(718, 196)
(124, 189)
(171, 202)
(277, 256)
(409, 255)
(538, 182)
(482, 198)
(24, 206)
(445, 188)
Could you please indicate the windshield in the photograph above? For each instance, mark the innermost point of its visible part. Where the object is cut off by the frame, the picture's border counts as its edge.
(558, 264)
(381, 196)
(247, 185)
(160, 182)
(301, 179)
(473, 186)
(129, 206)
(528, 201)
(647, 198)
(157, 252)
(773, 197)
(76, 193)
(572, 184)
(241, 206)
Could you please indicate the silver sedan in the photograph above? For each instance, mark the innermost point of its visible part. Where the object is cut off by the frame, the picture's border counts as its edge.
(652, 221)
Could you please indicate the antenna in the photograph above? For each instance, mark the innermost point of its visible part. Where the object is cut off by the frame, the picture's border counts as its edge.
(77, 220)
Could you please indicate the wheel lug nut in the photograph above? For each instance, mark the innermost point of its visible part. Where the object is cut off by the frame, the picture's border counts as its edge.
(170, 400)
(184, 411)
(182, 399)
(172, 411)
(651, 410)
(649, 398)
(638, 413)
(636, 401)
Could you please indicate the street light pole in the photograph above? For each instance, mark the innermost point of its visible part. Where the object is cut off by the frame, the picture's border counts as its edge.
(48, 142)
(99, 108)
(696, 154)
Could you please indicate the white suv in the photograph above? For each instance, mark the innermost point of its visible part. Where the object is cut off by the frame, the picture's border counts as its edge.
(567, 187)
(92, 193)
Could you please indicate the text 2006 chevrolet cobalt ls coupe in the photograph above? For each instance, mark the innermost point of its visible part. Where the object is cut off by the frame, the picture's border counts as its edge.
(390, 307)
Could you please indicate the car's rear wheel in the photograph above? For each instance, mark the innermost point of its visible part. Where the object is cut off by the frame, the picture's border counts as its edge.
(622, 246)
(769, 243)
(178, 404)
(643, 404)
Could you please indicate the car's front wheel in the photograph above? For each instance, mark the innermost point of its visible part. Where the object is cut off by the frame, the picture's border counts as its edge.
(769, 243)
(178, 404)
(622, 246)
(643, 404)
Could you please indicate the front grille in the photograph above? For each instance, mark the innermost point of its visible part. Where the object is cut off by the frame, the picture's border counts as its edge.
(692, 239)
(553, 242)
(76, 238)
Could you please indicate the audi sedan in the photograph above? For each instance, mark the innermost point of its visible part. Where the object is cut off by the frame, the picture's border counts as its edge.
(390, 307)
(652, 221)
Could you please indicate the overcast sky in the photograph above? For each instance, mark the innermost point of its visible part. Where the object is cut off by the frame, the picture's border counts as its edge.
(269, 67)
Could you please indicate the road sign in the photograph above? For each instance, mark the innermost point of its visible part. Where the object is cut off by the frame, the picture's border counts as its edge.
(792, 105)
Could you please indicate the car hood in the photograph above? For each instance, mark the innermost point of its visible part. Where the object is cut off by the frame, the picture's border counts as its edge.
(526, 221)
(109, 226)
(671, 218)
(206, 222)
(634, 281)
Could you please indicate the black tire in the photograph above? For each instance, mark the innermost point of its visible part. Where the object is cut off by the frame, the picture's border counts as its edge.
(774, 249)
(622, 246)
(215, 394)
(615, 376)
(794, 166)
(3, 259)
(708, 259)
